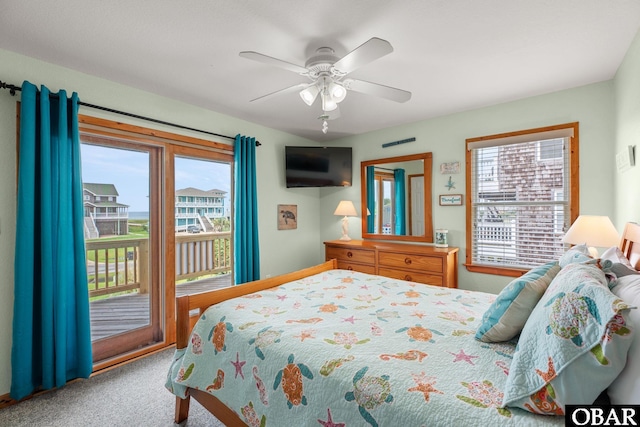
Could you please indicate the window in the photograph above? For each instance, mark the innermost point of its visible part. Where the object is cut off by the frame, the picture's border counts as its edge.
(524, 195)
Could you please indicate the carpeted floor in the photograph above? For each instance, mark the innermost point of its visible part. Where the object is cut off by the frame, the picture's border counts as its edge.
(132, 395)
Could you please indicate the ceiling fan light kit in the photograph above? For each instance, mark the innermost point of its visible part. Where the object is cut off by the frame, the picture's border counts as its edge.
(309, 94)
(327, 74)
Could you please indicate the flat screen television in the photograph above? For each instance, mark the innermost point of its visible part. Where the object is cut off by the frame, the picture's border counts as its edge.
(318, 166)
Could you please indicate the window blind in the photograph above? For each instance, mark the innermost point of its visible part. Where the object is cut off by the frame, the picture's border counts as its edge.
(520, 200)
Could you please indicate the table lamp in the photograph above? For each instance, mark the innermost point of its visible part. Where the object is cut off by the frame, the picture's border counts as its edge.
(593, 231)
(346, 209)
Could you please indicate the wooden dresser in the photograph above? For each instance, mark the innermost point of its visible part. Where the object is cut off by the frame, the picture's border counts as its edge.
(416, 263)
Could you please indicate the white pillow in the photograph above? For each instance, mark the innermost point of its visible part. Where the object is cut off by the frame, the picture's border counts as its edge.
(625, 389)
(614, 254)
(621, 265)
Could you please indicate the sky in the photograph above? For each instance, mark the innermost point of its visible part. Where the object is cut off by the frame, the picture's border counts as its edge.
(129, 171)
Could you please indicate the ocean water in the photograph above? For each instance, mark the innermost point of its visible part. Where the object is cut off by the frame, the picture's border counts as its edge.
(138, 215)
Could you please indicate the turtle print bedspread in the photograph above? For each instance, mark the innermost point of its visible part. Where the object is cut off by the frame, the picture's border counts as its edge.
(343, 348)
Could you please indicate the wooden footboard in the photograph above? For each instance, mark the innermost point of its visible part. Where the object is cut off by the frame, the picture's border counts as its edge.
(202, 301)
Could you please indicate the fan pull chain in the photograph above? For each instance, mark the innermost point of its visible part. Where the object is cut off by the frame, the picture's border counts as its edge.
(325, 126)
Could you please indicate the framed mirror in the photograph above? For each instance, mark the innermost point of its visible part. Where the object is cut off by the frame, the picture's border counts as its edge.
(396, 198)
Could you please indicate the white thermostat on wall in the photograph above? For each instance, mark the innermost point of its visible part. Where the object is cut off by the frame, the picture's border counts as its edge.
(625, 159)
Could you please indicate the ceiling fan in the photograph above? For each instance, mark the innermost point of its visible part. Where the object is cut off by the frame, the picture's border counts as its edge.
(328, 75)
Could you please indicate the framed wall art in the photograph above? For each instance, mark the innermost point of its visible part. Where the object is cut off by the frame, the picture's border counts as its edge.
(287, 217)
(450, 199)
(449, 168)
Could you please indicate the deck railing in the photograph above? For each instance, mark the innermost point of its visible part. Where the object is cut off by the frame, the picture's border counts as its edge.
(117, 266)
(123, 265)
(110, 215)
(202, 253)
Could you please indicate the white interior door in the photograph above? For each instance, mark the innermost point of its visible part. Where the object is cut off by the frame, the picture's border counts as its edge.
(417, 205)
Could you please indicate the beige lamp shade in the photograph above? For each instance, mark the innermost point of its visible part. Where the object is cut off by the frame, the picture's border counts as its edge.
(594, 231)
(346, 208)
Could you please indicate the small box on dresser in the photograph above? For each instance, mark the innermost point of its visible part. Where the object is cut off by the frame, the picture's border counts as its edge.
(416, 263)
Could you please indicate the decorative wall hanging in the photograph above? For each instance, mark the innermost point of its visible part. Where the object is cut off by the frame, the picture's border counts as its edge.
(449, 168)
(402, 141)
(450, 199)
(287, 217)
(450, 184)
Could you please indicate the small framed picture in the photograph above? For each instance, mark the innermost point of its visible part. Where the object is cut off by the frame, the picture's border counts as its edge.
(449, 168)
(450, 199)
(287, 217)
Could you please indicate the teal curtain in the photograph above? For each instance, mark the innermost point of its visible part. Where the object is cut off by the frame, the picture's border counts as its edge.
(371, 199)
(51, 326)
(401, 200)
(246, 249)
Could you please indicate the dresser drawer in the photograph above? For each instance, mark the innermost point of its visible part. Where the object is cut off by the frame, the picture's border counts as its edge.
(351, 255)
(345, 265)
(411, 276)
(411, 261)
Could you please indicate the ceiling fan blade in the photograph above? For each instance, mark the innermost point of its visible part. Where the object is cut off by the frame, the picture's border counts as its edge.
(369, 51)
(388, 92)
(274, 61)
(294, 88)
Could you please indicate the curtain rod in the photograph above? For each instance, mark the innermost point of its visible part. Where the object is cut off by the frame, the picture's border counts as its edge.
(13, 88)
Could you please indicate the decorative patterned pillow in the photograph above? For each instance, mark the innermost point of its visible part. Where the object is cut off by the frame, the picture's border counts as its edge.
(578, 327)
(625, 390)
(506, 317)
(578, 253)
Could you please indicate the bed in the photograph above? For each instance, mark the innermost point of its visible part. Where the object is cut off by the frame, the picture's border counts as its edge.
(341, 348)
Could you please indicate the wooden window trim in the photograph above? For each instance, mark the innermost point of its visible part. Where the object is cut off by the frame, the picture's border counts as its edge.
(574, 192)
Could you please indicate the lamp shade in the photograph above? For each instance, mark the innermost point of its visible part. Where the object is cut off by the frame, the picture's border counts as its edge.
(346, 208)
(592, 230)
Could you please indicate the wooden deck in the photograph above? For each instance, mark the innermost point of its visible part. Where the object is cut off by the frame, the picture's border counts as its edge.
(119, 314)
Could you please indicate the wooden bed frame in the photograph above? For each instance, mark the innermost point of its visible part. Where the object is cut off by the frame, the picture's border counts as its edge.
(201, 302)
(630, 246)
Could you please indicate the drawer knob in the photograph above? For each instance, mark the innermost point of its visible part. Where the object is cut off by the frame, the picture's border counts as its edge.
(407, 261)
(349, 254)
(407, 278)
(349, 268)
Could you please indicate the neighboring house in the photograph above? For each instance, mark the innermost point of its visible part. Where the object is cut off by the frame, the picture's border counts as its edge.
(199, 207)
(104, 216)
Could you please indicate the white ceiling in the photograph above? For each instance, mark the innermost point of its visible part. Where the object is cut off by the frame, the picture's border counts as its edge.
(453, 55)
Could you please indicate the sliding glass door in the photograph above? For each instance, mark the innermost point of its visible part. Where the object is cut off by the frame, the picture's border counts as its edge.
(203, 220)
(121, 209)
(158, 224)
